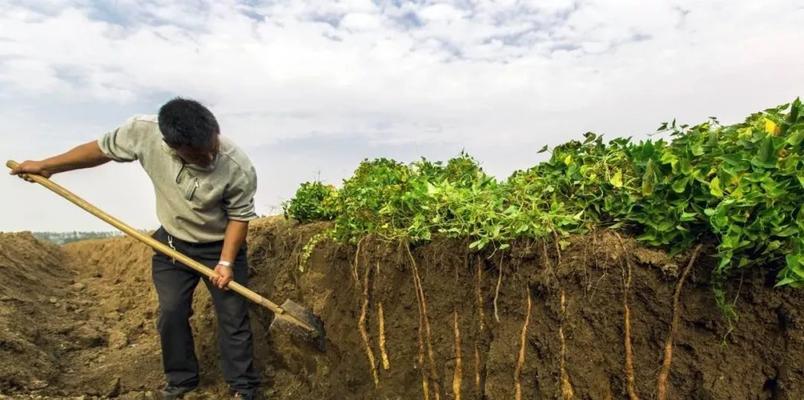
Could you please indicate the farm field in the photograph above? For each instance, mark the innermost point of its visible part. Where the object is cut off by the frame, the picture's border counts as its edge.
(668, 268)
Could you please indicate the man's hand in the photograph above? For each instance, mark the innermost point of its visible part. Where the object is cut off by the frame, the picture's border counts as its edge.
(31, 167)
(83, 156)
(233, 239)
(224, 276)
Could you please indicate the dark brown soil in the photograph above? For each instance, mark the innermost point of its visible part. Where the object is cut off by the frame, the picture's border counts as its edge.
(98, 338)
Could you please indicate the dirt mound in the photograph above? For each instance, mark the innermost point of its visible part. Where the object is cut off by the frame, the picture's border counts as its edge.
(115, 274)
(30, 272)
(436, 317)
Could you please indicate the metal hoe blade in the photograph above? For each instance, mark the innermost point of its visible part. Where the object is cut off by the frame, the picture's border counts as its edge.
(310, 330)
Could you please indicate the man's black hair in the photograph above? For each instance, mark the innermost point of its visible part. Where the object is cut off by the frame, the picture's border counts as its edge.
(186, 122)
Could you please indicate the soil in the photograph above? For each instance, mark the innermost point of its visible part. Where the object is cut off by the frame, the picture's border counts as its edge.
(79, 322)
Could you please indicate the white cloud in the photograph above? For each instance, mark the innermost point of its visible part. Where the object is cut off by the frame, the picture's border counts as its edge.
(360, 22)
(482, 75)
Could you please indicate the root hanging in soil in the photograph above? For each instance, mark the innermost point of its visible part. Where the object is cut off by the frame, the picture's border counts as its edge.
(567, 393)
(425, 386)
(355, 274)
(420, 356)
(426, 324)
(629, 351)
(557, 244)
(479, 293)
(629, 355)
(497, 290)
(477, 369)
(523, 339)
(547, 263)
(386, 364)
(661, 382)
(480, 323)
(361, 324)
(457, 377)
(420, 342)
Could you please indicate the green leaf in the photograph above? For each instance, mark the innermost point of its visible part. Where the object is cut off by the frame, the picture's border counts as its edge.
(697, 149)
(669, 158)
(795, 138)
(766, 157)
(680, 185)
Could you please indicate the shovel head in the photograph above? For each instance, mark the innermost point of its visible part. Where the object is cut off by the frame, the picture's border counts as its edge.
(300, 322)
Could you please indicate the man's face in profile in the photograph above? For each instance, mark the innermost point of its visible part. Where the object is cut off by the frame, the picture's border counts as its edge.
(202, 157)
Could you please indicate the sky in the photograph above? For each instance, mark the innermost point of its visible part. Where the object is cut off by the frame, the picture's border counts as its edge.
(308, 89)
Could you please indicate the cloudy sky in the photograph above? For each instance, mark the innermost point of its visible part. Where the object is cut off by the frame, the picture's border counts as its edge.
(310, 88)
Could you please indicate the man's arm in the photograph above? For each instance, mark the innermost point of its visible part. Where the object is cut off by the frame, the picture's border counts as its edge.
(84, 156)
(233, 239)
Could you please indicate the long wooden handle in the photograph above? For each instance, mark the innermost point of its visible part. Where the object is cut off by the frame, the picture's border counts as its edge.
(155, 244)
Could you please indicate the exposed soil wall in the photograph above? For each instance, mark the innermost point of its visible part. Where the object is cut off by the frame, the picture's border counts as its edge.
(31, 286)
(105, 308)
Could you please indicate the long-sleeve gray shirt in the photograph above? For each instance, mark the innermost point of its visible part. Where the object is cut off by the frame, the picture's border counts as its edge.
(193, 203)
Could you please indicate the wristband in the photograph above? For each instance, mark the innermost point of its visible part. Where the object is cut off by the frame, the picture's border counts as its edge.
(225, 263)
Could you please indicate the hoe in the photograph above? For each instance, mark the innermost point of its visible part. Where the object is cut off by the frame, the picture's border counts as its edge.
(292, 318)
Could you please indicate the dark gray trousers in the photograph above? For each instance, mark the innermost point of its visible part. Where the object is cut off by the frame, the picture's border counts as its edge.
(175, 284)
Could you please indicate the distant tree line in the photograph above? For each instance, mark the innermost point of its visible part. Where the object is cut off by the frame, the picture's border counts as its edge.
(74, 236)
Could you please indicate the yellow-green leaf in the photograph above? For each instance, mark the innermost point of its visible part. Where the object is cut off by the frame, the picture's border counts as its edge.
(771, 128)
(649, 179)
(714, 187)
(617, 179)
